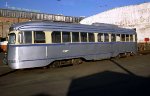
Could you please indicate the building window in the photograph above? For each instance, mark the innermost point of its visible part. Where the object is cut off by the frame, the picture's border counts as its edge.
(39, 37)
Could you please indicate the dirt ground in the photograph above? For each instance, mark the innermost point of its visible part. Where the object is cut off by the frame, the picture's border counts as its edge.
(114, 77)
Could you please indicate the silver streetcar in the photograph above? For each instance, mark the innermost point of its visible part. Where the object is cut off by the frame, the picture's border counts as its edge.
(42, 43)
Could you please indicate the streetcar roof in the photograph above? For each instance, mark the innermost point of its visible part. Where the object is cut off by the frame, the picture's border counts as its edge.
(59, 26)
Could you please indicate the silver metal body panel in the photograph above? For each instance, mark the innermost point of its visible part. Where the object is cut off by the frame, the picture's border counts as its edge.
(28, 56)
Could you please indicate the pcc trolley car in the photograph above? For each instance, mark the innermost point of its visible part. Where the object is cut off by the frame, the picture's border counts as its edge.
(37, 44)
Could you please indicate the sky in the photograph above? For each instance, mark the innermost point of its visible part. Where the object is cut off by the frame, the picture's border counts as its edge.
(68, 7)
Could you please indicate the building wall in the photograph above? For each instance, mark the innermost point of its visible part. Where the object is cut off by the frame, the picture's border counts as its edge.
(6, 22)
(133, 16)
(8, 17)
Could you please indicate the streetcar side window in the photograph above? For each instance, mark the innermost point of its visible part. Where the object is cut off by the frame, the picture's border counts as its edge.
(123, 37)
(131, 38)
(100, 37)
(83, 37)
(127, 38)
(66, 37)
(27, 37)
(75, 36)
(56, 37)
(113, 37)
(39, 37)
(20, 37)
(91, 37)
(106, 37)
(118, 38)
(134, 38)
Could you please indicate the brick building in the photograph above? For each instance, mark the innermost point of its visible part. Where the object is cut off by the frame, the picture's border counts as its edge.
(9, 16)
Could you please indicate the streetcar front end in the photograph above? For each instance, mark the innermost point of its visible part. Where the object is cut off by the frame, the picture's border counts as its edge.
(12, 52)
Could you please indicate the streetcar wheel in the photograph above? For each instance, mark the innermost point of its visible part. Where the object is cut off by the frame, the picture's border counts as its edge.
(132, 54)
(127, 54)
(77, 61)
(56, 64)
(118, 56)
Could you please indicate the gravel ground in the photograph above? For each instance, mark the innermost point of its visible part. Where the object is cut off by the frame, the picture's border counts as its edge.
(115, 77)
